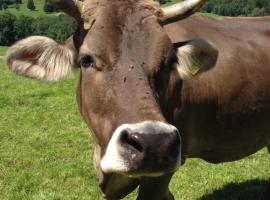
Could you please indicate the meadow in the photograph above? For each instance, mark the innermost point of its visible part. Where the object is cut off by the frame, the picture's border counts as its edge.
(3, 49)
(25, 11)
(46, 151)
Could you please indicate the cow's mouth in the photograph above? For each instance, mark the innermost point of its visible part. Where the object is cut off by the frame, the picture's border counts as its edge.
(149, 148)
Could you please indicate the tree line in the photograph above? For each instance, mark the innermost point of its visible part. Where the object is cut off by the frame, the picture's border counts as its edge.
(14, 28)
(60, 27)
(236, 7)
(220, 7)
(48, 5)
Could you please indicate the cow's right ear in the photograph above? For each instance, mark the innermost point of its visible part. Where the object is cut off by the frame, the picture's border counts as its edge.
(194, 57)
(42, 58)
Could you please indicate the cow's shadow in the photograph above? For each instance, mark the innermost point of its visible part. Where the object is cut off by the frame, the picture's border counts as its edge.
(249, 190)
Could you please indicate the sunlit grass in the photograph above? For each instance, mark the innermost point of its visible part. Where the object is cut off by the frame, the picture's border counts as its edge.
(3, 50)
(25, 11)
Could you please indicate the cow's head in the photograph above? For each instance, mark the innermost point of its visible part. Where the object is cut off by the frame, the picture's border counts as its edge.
(126, 62)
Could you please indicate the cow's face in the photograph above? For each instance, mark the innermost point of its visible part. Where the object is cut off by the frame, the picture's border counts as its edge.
(124, 55)
(121, 54)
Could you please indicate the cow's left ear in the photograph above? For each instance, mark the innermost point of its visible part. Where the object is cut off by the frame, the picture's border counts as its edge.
(194, 56)
(42, 58)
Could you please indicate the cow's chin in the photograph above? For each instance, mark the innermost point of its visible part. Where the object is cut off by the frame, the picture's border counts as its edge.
(148, 149)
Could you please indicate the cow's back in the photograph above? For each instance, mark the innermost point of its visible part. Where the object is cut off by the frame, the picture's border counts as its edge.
(225, 112)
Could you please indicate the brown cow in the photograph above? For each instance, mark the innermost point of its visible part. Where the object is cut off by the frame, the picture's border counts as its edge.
(135, 90)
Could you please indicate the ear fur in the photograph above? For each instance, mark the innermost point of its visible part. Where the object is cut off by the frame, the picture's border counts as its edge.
(41, 58)
(194, 57)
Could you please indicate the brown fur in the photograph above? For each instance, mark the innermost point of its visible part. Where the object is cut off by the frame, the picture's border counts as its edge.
(229, 103)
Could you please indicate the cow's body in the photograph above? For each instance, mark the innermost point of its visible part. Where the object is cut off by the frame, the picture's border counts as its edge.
(224, 114)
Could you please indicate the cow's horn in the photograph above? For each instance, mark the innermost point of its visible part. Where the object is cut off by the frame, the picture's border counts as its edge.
(71, 7)
(180, 10)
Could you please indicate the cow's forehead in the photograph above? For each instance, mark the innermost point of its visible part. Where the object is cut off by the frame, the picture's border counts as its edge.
(129, 25)
(92, 8)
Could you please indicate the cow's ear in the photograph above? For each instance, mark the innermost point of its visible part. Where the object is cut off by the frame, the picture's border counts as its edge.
(42, 58)
(194, 56)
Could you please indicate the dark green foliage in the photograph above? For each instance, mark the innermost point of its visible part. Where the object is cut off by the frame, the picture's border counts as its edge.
(48, 6)
(5, 6)
(31, 5)
(164, 1)
(23, 27)
(235, 7)
(13, 29)
(238, 8)
(5, 3)
(58, 28)
(17, 6)
(7, 28)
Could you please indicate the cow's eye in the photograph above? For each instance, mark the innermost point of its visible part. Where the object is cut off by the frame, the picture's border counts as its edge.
(87, 61)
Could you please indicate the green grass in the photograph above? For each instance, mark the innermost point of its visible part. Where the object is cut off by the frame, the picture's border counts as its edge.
(25, 11)
(208, 15)
(46, 151)
(3, 50)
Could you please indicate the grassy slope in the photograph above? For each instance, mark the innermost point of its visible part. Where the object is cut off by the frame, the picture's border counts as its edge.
(46, 151)
(3, 50)
(25, 11)
(44, 144)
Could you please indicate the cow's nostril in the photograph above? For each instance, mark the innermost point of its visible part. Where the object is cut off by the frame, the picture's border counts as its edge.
(131, 139)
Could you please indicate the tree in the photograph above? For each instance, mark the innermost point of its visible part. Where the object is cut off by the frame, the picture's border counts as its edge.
(48, 6)
(239, 7)
(17, 6)
(256, 12)
(5, 6)
(23, 27)
(57, 27)
(6, 29)
(31, 5)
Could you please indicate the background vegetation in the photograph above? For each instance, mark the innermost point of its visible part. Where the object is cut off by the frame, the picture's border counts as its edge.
(234, 8)
(18, 7)
(14, 28)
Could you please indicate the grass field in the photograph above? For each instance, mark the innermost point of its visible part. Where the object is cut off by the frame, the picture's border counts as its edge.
(46, 151)
(3, 50)
(25, 11)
